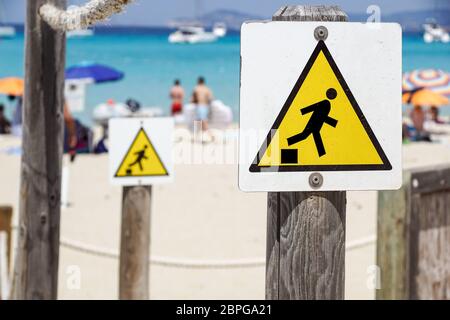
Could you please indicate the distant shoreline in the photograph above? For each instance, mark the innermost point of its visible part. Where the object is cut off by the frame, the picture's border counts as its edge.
(117, 30)
(157, 30)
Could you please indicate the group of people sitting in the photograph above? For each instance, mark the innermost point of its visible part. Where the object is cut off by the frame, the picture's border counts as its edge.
(202, 97)
(75, 134)
(418, 117)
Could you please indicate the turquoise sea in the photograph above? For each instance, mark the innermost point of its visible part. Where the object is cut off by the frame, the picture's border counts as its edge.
(151, 64)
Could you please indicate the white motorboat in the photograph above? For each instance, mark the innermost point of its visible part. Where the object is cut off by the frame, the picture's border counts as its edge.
(80, 33)
(220, 29)
(434, 32)
(191, 34)
(7, 32)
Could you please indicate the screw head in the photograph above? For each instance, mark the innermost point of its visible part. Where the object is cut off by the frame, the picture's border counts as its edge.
(315, 180)
(321, 33)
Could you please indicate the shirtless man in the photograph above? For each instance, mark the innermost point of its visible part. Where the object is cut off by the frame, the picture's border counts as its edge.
(177, 96)
(202, 98)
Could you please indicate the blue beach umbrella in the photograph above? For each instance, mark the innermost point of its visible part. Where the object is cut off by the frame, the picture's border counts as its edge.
(98, 73)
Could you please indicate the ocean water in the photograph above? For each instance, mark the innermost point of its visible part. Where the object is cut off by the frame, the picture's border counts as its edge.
(151, 64)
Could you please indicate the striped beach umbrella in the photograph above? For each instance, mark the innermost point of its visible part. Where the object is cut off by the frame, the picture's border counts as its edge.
(433, 79)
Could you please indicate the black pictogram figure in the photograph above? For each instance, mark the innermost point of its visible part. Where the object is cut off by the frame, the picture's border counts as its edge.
(140, 157)
(320, 116)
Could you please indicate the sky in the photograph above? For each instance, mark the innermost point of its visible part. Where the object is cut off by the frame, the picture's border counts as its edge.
(159, 12)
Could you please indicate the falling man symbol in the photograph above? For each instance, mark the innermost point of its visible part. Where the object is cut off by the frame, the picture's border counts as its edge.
(320, 116)
(140, 156)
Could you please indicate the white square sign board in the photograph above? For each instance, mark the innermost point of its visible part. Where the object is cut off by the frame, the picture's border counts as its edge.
(320, 113)
(140, 151)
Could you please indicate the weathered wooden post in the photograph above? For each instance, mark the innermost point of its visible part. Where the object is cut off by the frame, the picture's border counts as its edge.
(306, 230)
(36, 268)
(135, 243)
(5, 226)
(140, 156)
(5, 250)
(413, 250)
(392, 242)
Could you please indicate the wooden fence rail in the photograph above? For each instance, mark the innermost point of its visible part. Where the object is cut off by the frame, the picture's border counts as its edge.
(413, 249)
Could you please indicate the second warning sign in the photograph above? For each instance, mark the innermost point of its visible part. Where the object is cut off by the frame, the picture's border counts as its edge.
(141, 151)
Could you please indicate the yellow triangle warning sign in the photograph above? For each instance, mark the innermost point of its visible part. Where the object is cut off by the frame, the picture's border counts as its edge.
(320, 127)
(141, 159)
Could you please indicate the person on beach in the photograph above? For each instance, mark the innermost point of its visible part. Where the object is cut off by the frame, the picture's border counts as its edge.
(71, 132)
(434, 114)
(417, 116)
(202, 98)
(5, 125)
(17, 116)
(177, 96)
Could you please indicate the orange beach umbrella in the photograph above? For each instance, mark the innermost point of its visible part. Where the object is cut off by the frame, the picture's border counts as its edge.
(424, 97)
(12, 86)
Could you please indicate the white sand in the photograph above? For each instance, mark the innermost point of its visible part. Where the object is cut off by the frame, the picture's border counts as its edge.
(202, 216)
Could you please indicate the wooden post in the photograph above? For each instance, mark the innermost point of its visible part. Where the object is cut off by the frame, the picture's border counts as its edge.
(5, 226)
(413, 251)
(135, 243)
(5, 256)
(391, 241)
(306, 230)
(36, 268)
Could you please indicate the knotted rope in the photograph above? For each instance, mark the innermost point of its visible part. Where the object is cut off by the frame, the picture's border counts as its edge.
(76, 18)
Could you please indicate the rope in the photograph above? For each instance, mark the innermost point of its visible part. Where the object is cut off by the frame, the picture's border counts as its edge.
(164, 261)
(189, 263)
(196, 264)
(76, 17)
(360, 243)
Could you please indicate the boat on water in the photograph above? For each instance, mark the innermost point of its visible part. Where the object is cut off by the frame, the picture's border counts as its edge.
(6, 31)
(435, 33)
(197, 34)
(192, 31)
(220, 29)
(192, 34)
(80, 33)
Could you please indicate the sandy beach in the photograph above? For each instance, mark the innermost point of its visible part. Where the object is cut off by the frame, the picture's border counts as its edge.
(207, 237)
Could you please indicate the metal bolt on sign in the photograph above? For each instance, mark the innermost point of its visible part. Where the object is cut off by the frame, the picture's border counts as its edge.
(316, 180)
(321, 33)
